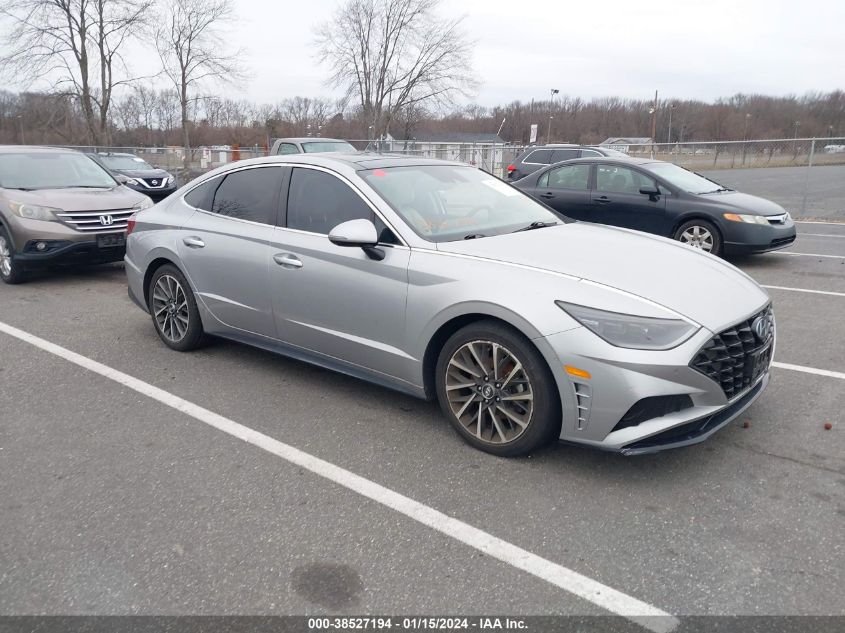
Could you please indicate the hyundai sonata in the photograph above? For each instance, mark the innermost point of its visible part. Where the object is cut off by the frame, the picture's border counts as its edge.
(441, 281)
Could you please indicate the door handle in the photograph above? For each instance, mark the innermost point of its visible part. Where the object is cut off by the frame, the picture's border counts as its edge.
(548, 194)
(193, 242)
(603, 199)
(287, 260)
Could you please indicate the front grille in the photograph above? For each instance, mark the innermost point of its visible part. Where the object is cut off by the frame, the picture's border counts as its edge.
(736, 357)
(154, 183)
(783, 241)
(777, 219)
(93, 221)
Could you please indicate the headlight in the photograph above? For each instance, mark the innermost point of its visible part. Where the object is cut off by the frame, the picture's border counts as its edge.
(146, 203)
(631, 331)
(170, 181)
(34, 211)
(750, 219)
(130, 181)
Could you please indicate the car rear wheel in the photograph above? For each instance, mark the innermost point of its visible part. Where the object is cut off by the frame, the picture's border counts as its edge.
(700, 234)
(174, 310)
(10, 272)
(496, 390)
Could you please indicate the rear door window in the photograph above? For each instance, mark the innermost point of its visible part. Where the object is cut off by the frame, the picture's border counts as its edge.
(538, 156)
(567, 177)
(249, 194)
(202, 197)
(563, 154)
(287, 148)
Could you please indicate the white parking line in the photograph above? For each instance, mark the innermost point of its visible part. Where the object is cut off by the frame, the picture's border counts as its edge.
(807, 254)
(815, 292)
(819, 222)
(810, 370)
(841, 237)
(571, 581)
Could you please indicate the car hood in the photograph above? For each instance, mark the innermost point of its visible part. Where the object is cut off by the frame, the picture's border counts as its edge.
(744, 203)
(146, 174)
(79, 199)
(695, 284)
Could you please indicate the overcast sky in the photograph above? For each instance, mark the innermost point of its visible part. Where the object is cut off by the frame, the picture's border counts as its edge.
(683, 48)
(588, 48)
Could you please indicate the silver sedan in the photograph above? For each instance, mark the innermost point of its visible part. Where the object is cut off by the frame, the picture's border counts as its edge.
(441, 281)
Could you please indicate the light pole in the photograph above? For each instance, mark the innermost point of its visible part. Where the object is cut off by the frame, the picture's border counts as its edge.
(745, 136)
(553, 91)
(795, 138)
(669, 133)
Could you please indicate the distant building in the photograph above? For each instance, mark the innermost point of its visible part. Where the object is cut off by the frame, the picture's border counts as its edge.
(625, 143)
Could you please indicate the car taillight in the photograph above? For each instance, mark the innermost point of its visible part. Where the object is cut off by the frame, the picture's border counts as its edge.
(130, 224)
(511, 168)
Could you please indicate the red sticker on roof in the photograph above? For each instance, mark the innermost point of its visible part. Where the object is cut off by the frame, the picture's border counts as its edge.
(379, 172)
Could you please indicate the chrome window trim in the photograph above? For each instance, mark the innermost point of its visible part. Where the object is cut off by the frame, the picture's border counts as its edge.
(341, 177)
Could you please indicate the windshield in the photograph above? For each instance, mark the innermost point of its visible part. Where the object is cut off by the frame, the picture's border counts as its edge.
(126, 163)
(42, 170)
(684, 179)
(327, 146)
(443, 203)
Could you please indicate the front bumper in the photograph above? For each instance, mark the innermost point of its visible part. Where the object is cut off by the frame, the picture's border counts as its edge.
(87, 252)
(745, 239)
(594, 408)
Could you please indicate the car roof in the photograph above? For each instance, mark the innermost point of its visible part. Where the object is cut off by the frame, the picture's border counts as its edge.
(114, 154)
(309, 139)
(359, 161)
(35, 149)
(621, 160)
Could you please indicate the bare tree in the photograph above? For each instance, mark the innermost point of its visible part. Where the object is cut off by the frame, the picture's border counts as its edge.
(389, 54)
(78, 44)
(193, 51)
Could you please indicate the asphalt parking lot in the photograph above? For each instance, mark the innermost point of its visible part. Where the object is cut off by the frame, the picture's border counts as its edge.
(114, 502)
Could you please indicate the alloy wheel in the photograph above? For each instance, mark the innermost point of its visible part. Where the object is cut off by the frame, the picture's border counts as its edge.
(489, 392)
(5, 257)
(170, 308)
(698, 237)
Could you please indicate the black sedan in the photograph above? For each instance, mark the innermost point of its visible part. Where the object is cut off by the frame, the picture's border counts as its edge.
(138, 174)
(664, 199)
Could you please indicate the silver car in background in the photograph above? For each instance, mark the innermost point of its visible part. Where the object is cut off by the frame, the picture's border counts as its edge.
(441, 281)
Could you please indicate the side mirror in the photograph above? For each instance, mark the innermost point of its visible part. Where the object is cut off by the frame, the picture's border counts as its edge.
(121, 178)
(651, 191)
(361, 233)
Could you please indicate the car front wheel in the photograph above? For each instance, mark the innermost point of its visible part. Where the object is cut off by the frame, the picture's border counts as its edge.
(10, 272)
(496, 390)
(700, 234)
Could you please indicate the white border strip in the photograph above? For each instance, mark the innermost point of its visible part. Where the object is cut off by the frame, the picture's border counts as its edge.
(584, 587)
(807, 254)
(815, 292)
(810, 370)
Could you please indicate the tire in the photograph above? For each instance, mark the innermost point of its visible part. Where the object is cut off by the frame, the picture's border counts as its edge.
(700, 234)
(10, 271)
(528, 394)
(173, 308)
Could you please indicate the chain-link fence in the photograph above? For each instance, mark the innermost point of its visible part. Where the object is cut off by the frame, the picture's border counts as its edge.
(805, 175)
